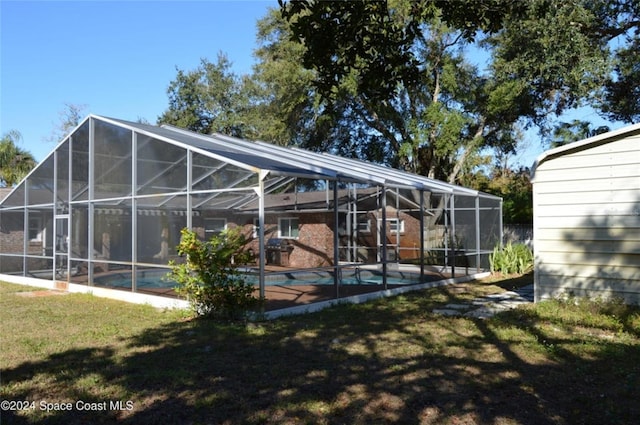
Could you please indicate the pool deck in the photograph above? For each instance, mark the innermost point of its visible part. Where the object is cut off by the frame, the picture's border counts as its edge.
(288, 295)
(279, 297)
(300, 294)
(285, 296)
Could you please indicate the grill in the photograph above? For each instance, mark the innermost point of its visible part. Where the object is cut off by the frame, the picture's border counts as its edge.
(278, 251)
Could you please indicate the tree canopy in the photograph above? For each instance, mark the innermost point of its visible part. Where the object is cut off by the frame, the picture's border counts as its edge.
(207, 99)
(400, 75)
(15, 162)
(405, 82)
(573, 52)
(554, 53)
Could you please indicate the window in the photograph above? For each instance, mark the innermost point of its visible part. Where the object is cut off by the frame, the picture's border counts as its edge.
(288, 228)
(364, 225)
(214, 226)
(35, 229)
(394, 225)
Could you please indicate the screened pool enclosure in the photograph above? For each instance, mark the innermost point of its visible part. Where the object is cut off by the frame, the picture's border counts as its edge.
(106, 207)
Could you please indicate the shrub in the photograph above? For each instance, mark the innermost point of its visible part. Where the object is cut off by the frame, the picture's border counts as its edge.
(209, 278)
(516, 258)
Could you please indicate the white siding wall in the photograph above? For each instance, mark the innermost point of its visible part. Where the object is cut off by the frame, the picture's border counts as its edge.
(587, 222)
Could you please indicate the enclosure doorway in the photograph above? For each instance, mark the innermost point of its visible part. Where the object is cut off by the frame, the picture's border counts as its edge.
(61, 247)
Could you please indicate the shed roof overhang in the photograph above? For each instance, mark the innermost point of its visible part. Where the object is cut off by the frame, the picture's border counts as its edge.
(580, 145)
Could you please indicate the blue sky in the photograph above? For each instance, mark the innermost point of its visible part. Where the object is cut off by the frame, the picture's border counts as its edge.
(117, 59)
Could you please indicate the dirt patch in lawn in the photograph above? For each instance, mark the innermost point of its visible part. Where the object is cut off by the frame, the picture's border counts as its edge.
(43, 293)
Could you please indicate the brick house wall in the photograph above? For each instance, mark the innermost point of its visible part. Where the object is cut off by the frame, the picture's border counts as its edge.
(314, 245)
(312, 248)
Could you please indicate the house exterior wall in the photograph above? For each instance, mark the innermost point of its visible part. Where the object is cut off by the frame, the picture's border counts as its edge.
(12, 234)
(314, 245)
(12, 240)
(587, 221)
(312, 248)
(403, 245)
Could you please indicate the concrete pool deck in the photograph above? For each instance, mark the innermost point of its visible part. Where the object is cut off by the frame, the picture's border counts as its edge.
(292, 303)
(281, 300)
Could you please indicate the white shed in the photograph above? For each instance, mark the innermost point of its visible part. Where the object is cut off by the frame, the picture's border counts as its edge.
(586, 218)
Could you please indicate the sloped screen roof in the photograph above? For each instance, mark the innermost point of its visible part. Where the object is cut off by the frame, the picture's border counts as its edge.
(233, 149)
(297, 162)
(282, 162)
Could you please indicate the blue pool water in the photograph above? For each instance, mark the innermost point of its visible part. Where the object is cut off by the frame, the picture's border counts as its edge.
(145, 279)
(157, 278)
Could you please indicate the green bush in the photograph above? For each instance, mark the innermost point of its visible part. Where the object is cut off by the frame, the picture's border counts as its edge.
(209, 278)
(516, 258)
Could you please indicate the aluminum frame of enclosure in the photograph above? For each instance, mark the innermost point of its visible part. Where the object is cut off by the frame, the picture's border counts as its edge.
(120, 172)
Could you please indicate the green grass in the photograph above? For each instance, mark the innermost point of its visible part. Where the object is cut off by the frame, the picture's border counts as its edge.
(388, 361)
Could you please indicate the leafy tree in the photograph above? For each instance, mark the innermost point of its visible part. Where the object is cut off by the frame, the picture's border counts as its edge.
(514, 186)
(622, 90)
(517, 195)
(548, 56)
(563, 53)
(15, 162)
(567, 132)
(389, 81)
(208, 99)
(284, 107)
(400, 85)
(277, 103)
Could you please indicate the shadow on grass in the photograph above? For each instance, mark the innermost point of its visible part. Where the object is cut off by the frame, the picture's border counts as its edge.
(512, 283)
(389, 361)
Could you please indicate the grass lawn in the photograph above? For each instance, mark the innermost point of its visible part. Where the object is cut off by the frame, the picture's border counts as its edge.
(387, 361)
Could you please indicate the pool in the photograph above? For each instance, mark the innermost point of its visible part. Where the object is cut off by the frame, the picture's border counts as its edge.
(157, 278)
(145, 279)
